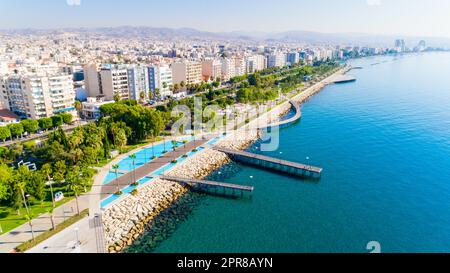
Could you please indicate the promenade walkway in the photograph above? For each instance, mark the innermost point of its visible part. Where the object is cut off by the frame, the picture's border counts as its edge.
(143, 171)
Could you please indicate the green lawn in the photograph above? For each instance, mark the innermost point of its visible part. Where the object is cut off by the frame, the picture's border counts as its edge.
(9, 219)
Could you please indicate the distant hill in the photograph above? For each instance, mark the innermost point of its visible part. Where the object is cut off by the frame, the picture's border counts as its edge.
(307, 37)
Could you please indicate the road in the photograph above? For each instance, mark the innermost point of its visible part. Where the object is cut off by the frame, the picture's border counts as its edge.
(66, 128)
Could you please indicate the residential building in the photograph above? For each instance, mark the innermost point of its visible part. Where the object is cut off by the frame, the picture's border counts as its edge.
(8, 117)
(255, 63)
(293, 58)
(189, 72)
(92, 80)
(91, 108)
(114, 80)
(212, 69)
(276, 60)
(37, 96)
(160, 78)
(228, 69)
(138, 78)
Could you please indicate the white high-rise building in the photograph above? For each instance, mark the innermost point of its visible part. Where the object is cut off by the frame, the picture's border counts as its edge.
(161, 78)
(228, 69)
(276, 60)
(138, 78)
(37, 96)
(255, 63)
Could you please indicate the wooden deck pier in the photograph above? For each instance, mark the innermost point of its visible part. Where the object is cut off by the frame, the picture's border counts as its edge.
(206, 186)
(283, 166)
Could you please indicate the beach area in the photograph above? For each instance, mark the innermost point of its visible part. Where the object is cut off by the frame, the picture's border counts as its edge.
(126, 220)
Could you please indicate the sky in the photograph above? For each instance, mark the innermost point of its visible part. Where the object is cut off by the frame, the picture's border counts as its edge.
(429, 18)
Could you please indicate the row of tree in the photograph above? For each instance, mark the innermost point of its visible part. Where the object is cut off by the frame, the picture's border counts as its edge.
(28, 126)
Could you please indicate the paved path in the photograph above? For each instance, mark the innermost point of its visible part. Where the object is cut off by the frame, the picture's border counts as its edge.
(19, 235)
(66, 240)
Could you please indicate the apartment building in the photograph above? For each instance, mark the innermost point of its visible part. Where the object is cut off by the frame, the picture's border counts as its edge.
(212, 69)
(293, 58)
(107, 81)
(138, 77)
(160, 78)
(37, 96)
(239, 66)
(92, 80)
(189, 72)
(228, 69)
(276, 59)
(255, 63)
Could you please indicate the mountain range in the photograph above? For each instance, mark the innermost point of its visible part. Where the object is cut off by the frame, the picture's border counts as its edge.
(307, 37)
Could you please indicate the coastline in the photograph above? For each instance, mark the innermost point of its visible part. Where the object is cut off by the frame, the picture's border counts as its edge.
(126, 221)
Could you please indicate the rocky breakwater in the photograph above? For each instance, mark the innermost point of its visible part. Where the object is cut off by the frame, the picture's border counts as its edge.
(126, 221)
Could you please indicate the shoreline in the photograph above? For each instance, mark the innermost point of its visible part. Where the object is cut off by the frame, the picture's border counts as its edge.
(126, 221)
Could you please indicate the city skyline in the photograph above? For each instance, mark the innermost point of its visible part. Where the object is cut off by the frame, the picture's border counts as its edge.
(376, 17)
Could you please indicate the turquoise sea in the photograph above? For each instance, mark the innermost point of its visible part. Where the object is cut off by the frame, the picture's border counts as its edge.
(384, 144)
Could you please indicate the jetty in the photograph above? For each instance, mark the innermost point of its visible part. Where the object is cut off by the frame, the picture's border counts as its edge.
(280, 165)
(287, 122)
(205, 185)
(343, 79)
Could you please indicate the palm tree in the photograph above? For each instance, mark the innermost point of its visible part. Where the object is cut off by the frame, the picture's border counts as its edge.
(79, 107)
(142, 96)
(52, 217)
(116, 171)
(47, 169)
(133, 177)
(75, 183)
(117, 97)
(164, 140)
(153, 144)
(28, 218)
(174, 144)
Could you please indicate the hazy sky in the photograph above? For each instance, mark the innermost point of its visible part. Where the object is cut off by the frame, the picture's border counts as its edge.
(405, 17)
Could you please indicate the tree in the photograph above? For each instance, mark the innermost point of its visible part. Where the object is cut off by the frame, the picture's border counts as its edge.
(52, 217)
(16, 129)
(57, 121)
(30, 126)
(142, 96)
(174, 144)
(117, 97)
(47, 171)
(116, 171)
(59, 171)
(4, 133)
(67, 118)
(121, 139)
(6, 176)
(79, 107)
(45, 123)
(75, 183)
(133, 177)
(36, 185)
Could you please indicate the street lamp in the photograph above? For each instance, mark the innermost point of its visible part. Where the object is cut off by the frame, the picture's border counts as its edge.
(78, 243)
